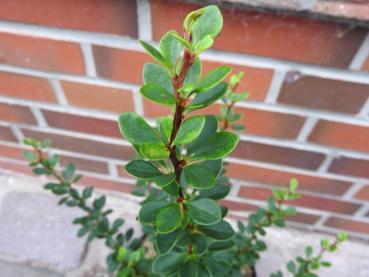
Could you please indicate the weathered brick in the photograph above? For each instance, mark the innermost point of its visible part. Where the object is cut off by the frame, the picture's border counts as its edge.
(83, 124)
(16, 113)
(98, 97)
(86, 146)
(363, 194)
(267, 34)
(14, 152)
(304, 218)
(278, 155)
(40, 53)
(323, 94)
(117, 17)
(102, 183)
(109, 64)
(27, 87)
(348, 225)
(85, 164)
(282, 178)
(307, 201)
(256, 80)
(6, 134)
(348, 136)
(350, 166)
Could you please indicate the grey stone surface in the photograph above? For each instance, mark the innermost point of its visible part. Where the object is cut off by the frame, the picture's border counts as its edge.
(34, 228)
(9, 269)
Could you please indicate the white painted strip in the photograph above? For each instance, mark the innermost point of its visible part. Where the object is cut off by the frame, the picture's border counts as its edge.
(362, 212)
(336, 117)
(17, 132)
(325, 165)
(306, 130)
(144, 19)
(89, 59)
(137, 99)
(364, 112)
(361, 55)
(227, 57)
(275, 86)
(353, 190)
(41, 121)
(58, 90)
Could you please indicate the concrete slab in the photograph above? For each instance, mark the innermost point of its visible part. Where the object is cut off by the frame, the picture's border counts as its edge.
(9, 269)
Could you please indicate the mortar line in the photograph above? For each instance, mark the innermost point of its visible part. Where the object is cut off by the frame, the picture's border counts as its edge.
(88, 58)
(17, 132)
(138, 103)
(327, 162)
(364, 112)
(59, 92)
(361, 55)
(220, 56)
(353, 190)
(38, 115)
(307, 128)
(144, 20)
(275, 86)
(113, 172)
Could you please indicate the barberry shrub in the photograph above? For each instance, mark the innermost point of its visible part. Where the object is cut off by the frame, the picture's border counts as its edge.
(180, 171)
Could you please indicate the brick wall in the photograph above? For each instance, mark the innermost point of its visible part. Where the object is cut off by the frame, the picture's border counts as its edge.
(68, 68)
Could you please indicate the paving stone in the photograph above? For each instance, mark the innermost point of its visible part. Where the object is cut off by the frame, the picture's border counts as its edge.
(34, 228)
(9, 269)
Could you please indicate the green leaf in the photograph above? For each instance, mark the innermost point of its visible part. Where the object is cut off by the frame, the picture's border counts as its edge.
(142, 169)
(207, 97)
(154, 151)
(155, 73)
(205, 43)
(172, 188)
(200, 244)
(189, 130)
(167, 263)
(68, 172)
(193, 74)
(217, 192)
(204, 271)
(213, 77)
(135, 129)
(210, 127)
(210, 22)
(165, 242)
(156, 93)
(87, 192)
(308, 251)
(293, 184)
(221, 245)
(156, 55)
(99, 202)
(168, 219)
(219, 231)
(216, 146)
(236, 97)
(149, 211)
(215, 166)
(189, 268)
(199, 176)
(165, 127)
(29, 156)
(170, 47)
(342, 236)
(184, 42)
(204, 211)
(164, 180)
(291, 266)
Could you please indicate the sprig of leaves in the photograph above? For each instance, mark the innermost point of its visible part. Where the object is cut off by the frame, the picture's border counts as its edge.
(127, 253)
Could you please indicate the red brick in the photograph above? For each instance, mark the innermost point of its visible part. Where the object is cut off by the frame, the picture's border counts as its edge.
(256, 80)
(282, 179)
(101, 183)
(348, 136)
(363, 194)
(40, 53)
(98, 97)
(84, 164)
(14, 152)
(83, 124)
(86, 146)
(6, 134)
(27, 87)
(307, 201)
(366, 65)
(348, 225)
(121, 65)
(266, 34)
(122, 172)
(16, 113)
(303, 218)
(19, 168)
(115, 16)
(350, 166)
(238, 206)
(323, 94)
(278, 155)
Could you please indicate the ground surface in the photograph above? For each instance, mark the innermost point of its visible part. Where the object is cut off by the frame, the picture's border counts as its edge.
(37, 238)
